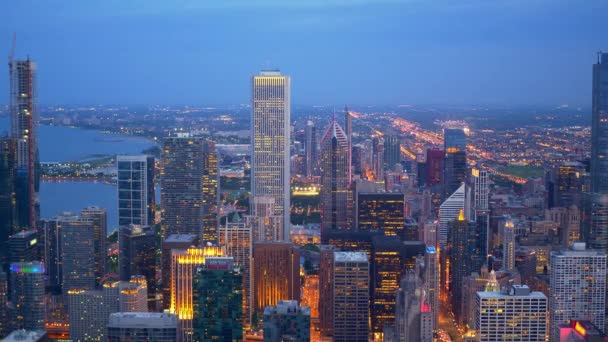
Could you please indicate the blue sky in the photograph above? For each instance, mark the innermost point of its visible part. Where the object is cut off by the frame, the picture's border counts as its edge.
(337, 51)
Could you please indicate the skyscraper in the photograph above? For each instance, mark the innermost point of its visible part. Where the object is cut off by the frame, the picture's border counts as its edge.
(137, 254)
(508, 245)
(270, 132)
(27, 295)
(350, 297)
(378, 158)
(381, 211)
(431, 282)
(455, 162)
(458, 238)
(178, 242)
(189, 187)
(265, 225)
(311, 149)
(517, 313)
(8, 208)
(218, 301)
(99, 219)
(276, 274)
(77, 253)
(386, 266)
(336, 196)
(135, 190)
(392, 151)
(599, 126)
(449, 211)
(24, 127)
(578, 287)
(434, 167)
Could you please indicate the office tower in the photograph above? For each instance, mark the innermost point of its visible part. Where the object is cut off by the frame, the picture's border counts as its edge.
(386, 268)
(189, 187)
(378, 158)
(459, 261)
(431, 282)
(479, 180)
(27, 295)
(508, 246)
(434, 167)
(311, 149)
(179, 242)
(578, 287)
(310, 295)
(137, 249)
(265, 225)
(23, 246)
(381, 211)
(184, 264)
(135, 190)
(455, 162)
(8, 208)
(449, 211)
(429, 234)
(99, 219)
(392, 151)
(326, 294)
(517, 313)
(286, 321)
(142, 327)
(336, 196)
(77, 253)
(24, 128)
(569, 184)
(218, 301)
(413, 315)
(350, 296)
(276, 274)
(270, 120)
(599, 126)
(236, 237)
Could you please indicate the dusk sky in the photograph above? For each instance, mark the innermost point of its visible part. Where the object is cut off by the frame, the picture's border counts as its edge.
(337, 51)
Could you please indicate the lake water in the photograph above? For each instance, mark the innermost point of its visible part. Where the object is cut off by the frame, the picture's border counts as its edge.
(67, 144)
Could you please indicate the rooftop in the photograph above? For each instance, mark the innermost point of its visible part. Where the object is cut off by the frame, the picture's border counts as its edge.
(350, 256)
(285, 307)
(25, 336)
(142, 320)
(181, 238)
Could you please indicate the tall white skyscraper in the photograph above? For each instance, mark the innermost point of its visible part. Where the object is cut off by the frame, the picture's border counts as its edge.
(270, 120)
(448, 211)
(517, 313)
(578, 287)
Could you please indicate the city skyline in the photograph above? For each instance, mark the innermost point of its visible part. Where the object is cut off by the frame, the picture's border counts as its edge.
(413, 57)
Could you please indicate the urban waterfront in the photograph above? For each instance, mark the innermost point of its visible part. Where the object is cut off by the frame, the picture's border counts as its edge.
(61, 144)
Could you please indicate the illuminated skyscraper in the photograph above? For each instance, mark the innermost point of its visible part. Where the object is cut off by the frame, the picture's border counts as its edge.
(599, 126)
(178, 242)
(350, 297)
(99, 219)
(431, 282)
(448, 211)
(458, 238)
(276, 274)
(184, 265)
(386, 265)
(578, 287)
(27, 295)
(135, 190)
(392, 151)
(336, 195)
(24, 128)
(508, 246)
(270, 131)
(189, 187)
(311, 149)
(382, 212)
(434, 167)
(77, 253)
(378, 158)
(455, 162)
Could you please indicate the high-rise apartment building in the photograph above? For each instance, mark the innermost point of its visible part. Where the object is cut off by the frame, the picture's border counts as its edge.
(27, 295)
(381, 212)
(276, 274)
(136, 203)
(350, 296)
(137, 247)
(431, 282)
(578, 287)
(24, 129)
(189, 180)
(142, 327)
(218, 301)
(23, 246)
(517, 313)
(377, 162)
(99, 219)
(77, 253)
(336, 195)
(270, 140)
(286, 321)
(311, 149)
